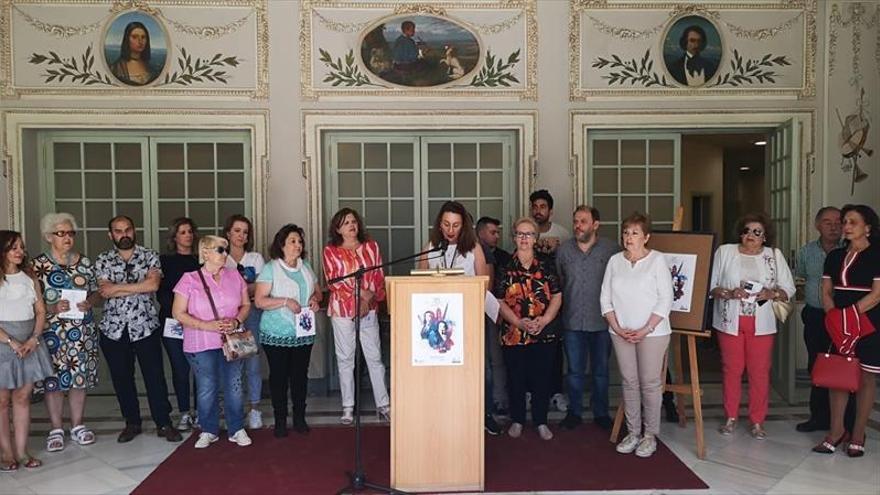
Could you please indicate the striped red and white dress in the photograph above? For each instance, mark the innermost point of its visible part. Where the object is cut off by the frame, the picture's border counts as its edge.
(340, 261)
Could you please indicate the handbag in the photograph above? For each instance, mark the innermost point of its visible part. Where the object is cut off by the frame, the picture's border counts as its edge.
(781, 309)
(837, 372)
(240, 344)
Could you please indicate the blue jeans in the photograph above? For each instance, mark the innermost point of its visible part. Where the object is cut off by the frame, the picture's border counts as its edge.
(212, 373)
(578, 345)
(252, 365)
(180, 375)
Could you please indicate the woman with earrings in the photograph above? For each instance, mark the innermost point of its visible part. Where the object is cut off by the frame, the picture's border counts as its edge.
(210, 302)
(239, 231)
(746, 278)
(350, 248)
(23, 360)
(851, 287)
(179, 258)
(72, 342)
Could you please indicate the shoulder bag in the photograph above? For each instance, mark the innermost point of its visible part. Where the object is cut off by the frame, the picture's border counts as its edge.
(240, 344)
(781, 309)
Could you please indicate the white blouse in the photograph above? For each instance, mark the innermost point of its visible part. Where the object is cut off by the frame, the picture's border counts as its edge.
(17, 296)
(453, 259)
(634, 293)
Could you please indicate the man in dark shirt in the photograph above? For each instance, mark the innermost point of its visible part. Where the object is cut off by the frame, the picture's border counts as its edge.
(489, 232)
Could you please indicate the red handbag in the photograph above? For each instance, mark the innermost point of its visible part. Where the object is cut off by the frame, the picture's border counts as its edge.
(837, 372)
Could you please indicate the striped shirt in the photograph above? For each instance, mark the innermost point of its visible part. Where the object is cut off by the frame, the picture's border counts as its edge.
(809, 265)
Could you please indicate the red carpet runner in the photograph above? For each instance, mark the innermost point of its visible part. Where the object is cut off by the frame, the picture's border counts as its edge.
(316, 464)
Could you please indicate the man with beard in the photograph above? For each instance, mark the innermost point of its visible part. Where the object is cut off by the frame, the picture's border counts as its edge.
(581, 262)
(489, 233)
(550, 235)
(128, 277)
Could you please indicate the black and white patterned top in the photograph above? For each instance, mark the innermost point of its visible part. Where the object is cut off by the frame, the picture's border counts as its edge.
(137, 312)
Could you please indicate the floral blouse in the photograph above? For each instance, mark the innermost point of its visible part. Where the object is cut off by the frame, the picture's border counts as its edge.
(527, 291)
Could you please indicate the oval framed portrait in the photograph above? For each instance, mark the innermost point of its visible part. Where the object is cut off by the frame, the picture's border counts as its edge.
(420, 51)
(136, 48)
(692, 51)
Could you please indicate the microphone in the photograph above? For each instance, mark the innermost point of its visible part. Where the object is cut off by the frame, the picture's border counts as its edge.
(443, 245)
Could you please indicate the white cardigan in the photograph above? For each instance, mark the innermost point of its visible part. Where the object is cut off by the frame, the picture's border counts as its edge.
(726, 274)
(634, 293)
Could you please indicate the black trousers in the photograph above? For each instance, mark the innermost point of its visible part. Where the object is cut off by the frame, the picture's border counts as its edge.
(121, 356)
(529, 368)
(288, 368)
(818, 341)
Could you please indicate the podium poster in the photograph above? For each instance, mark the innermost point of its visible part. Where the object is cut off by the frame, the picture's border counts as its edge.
(437, 329)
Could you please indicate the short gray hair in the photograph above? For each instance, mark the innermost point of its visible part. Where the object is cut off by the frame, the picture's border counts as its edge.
(52, 220)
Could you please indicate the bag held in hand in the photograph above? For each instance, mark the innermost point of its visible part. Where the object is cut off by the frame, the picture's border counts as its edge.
(240, 344)
(837, 372)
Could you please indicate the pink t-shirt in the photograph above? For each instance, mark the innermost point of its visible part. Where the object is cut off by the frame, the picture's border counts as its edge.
(227, 298)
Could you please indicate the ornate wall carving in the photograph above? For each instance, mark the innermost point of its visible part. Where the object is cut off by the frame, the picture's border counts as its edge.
(457, 49)
(134, 47)
(737, 49)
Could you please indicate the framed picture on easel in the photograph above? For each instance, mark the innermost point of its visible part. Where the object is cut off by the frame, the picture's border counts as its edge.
(689, 257)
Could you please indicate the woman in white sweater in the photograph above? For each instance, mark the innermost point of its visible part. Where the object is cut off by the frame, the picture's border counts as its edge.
(636, 299)
(746, 278)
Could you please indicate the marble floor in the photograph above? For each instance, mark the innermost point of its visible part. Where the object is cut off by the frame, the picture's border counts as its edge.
(781, 464)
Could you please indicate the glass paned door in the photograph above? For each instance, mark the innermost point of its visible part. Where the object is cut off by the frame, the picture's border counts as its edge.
(633, 172)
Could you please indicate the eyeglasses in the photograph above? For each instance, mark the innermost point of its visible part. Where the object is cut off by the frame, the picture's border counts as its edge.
(221, 250)
(524, 235)
(65, 233)
(754, 232)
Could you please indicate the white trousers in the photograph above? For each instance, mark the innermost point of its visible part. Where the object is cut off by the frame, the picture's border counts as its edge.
(343, 336)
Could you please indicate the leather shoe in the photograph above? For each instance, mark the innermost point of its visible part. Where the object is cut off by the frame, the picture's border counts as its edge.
(280, 430)
(811, 425)
(169, 433)
(300, 426)
(128, 433)
(604, 422)
(571, 421)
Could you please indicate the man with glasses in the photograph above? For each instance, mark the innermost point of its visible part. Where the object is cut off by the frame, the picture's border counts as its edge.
(581, 263)
(128, 277)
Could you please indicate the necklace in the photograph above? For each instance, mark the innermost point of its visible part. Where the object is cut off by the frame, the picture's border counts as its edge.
(450, 264)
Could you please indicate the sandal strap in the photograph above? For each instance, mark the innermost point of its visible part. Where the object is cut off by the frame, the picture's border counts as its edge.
(856, 446)
(828, 445)
(56, 433)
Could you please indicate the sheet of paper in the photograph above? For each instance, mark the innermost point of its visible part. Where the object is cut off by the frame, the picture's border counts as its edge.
(305, 323)
(173, 329)
(492, 306)
(74, 297)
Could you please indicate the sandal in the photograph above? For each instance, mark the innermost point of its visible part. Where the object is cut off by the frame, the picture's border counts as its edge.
(8, 466)
(30, 462)
(828, 445)
(856, 449)
(55, 440)
(82, 435)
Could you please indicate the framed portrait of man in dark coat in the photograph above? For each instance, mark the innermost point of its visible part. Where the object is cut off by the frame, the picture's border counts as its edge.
(692, 51)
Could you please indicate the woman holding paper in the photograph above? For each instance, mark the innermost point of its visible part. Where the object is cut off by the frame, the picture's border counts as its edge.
(350, 248)
(288, 293)
(69, 286)
(746, 278)
(23, 360)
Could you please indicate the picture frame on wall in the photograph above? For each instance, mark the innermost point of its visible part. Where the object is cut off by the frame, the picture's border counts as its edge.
(689, 256)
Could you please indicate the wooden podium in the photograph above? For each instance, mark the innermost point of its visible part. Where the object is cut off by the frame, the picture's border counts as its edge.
(437, 425)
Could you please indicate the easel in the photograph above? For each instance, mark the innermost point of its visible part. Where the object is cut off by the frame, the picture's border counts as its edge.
(679, 388)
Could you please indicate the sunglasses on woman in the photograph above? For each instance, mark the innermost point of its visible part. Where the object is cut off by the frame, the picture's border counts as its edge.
(221, 250)
(65, 233)
(754, 232)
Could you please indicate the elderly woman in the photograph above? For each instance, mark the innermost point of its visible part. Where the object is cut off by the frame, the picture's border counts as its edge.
(203, 328)
(239, 231)
(852, 280)
(285, 286)
(22, 359)
(72, 340)
(636, 298)
(179, 258)
(350, 248)
(530, 297)
(746, 278)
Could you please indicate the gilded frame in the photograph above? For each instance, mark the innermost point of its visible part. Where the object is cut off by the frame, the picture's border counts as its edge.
(260, 11)
(578, 7)
(438, 8)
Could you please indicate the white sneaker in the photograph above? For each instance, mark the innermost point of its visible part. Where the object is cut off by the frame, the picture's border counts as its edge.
(515, 430)
(560, 401)
(205, 439)
(185, 423)
(628, 444)
(544, 432)
(255, 419)
(241, 438)
(384, 414)
(647, 446)
(347, 416)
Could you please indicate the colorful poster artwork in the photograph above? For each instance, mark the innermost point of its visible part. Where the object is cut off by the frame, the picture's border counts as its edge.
(683, 268)
(437, 329)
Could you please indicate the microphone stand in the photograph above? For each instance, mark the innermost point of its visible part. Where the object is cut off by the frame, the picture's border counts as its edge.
(357, 478)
